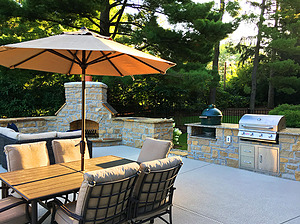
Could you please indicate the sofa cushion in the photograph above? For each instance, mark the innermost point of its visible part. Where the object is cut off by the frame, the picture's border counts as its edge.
(67, 150)
(153, 149)
(68, 134)
(24, 156)
(44, 135)
(10, 133)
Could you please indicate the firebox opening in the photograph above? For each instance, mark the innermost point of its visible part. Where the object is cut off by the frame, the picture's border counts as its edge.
(91, 128)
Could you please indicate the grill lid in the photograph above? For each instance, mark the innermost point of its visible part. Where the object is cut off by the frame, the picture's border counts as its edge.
(261, 127)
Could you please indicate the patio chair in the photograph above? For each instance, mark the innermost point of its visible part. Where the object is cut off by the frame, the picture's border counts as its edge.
(103, 197)
(24, 156)
(14, 211)
(68, 150)
(153, 149)
(153, 193)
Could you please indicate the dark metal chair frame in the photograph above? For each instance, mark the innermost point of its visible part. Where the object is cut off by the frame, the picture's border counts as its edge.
(123, 197)
(161, 184)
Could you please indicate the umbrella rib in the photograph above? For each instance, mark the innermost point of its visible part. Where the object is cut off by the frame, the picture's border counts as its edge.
(27, 59)
(97, 60)
(74, 55)
(115, 67)
(151, 66)
(61, 55)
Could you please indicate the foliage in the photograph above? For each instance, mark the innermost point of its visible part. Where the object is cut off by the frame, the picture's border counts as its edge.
(193, 30)
(279, 67)
(291, 113)
(176, 135)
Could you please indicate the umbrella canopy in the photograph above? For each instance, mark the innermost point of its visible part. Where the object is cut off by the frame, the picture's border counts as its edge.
(81, 52)
(65, 54)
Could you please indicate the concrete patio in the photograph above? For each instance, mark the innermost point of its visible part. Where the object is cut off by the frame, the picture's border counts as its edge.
(209, 194)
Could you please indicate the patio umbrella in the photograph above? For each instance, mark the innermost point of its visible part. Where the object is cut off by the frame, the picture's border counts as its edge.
(81, 52)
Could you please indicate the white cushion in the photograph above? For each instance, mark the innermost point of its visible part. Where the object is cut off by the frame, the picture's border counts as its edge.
(43, 135)
(161, 164)
(24, 156)
(153, 149)
(68, 150)
(9, 133)
(68, 134)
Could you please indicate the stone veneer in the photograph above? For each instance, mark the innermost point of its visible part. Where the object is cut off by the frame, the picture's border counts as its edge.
(218, 151)
(130, 131)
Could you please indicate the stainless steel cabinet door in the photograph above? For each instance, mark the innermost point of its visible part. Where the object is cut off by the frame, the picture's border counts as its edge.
(267, 159)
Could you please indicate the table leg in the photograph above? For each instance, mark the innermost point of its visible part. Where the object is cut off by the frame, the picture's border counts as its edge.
(4, 190)
(34, 212)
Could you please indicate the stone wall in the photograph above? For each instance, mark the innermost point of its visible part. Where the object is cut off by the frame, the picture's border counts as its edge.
(134, 130)
(289, 143)
(215, 150)
(32, 124)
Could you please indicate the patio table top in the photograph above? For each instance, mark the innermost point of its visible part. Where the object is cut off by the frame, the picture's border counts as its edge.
(47, 181)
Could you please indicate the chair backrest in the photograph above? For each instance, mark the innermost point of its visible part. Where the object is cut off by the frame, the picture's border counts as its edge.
(154, 187)
(153, 149)
(104, 194)
(24, 156)
(68, 150)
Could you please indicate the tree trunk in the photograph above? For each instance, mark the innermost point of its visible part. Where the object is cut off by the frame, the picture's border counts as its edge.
(215, 67)
(104, 20)
(256, 56)
(215, 74)
(271, 103)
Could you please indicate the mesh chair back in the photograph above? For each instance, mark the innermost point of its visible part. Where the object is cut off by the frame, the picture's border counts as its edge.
(108, 202)
(155, 191)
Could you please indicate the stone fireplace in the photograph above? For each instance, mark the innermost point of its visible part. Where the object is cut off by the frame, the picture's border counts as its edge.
(98, 112)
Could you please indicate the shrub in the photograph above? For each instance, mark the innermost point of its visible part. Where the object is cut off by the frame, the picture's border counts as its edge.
(291, 113)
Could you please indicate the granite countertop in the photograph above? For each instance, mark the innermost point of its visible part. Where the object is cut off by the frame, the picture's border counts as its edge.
(286, 131)
(222, 126)
(144, 120)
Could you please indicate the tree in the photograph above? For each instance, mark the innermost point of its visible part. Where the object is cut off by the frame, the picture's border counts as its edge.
(256, 55)
(189, 39)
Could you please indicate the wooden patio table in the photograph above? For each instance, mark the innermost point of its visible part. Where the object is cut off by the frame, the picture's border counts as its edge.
(47, 182)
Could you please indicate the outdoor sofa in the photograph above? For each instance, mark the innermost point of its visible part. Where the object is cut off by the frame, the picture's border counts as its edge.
(10, 137)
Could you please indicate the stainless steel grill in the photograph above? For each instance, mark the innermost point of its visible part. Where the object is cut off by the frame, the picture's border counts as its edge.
(261, 127)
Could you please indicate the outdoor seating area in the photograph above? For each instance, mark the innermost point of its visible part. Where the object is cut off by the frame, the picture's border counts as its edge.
(209, 193)
(113, 190)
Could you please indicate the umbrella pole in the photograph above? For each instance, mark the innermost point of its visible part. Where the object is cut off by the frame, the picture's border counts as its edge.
(82, 142)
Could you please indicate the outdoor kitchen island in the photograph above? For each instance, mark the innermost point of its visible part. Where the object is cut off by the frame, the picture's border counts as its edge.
(220, 144)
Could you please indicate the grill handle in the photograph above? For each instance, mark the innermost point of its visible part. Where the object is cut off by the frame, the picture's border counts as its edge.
(203, 117)
(256, 126)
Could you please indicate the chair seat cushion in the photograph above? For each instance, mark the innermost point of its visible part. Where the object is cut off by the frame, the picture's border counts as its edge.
(153, 149)
(63, 218)
(14, 215)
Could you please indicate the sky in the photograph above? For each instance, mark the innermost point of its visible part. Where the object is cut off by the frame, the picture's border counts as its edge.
(244, 29)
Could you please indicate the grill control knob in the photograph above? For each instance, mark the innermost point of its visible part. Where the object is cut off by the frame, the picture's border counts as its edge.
(251, 134)
(270, 136)
(243, 133)
(260, 135)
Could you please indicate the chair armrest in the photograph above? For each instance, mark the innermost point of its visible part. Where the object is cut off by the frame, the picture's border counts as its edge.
(63, 207)
(12, 205)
